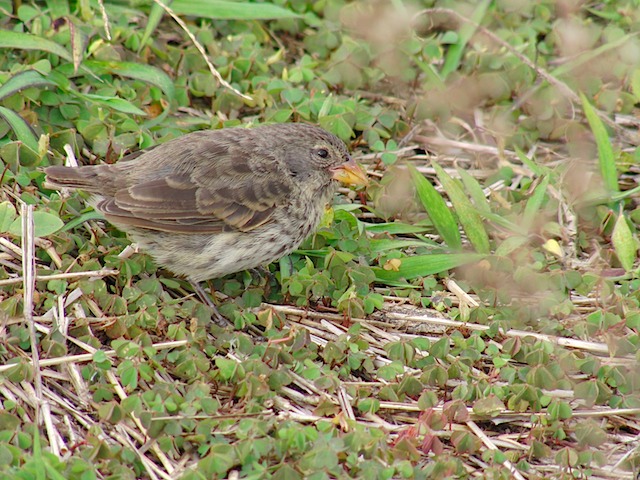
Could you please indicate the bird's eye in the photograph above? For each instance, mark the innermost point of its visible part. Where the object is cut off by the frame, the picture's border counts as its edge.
(322, 152)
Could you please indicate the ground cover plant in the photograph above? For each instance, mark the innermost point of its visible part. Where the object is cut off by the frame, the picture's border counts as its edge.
(472, 313)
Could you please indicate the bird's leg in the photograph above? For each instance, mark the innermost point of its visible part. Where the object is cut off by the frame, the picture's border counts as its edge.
(260, 271)
(206, 299)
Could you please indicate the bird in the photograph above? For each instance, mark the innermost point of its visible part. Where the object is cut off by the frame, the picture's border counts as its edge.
(215, 202)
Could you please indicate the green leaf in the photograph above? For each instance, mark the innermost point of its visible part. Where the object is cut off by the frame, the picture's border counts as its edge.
(384, 244)
(489, 406)
(7, 216)
(44, 224)
(504, 223)
(467, 30)
(137, 71)
(537, 170)
(510, 244)
(26, 41)
(286, 472)
(52, 472)
(85, 217)
(465, 442)
(424, 265)
(337, 125)
(467, 213)
(635, 84)
(218, 9)
(153, 20)
(559, 410)
(567, 457)
(475, 190)
(22, 80)
(624, 244)
(586, 391)
(78, 44)
(101, 360)
(228, 368)
(441, 348)
(37, 457)
(369, 405)
(626, 194)
(440, 215)
(532, 208)
(590, 434)
(432, 76)
(58, 8)
(606, 158)
(118, 104)
(393, 228)
(21, 128)
(129, 377)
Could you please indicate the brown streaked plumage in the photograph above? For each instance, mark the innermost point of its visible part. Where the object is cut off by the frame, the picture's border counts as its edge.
(215, 202)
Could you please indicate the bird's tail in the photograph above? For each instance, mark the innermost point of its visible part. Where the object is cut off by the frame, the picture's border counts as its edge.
(86, 178)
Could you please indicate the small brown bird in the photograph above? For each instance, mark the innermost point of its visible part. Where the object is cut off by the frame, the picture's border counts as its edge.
(215, 202)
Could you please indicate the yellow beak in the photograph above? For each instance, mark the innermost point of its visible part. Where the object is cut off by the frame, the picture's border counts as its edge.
(350, 173)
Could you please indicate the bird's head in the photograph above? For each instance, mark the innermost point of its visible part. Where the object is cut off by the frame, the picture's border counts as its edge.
(316, 152)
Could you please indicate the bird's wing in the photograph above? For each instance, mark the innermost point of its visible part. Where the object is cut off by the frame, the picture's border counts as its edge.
(230, 191)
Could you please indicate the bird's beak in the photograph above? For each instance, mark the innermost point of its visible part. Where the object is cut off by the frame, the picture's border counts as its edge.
(350, 173)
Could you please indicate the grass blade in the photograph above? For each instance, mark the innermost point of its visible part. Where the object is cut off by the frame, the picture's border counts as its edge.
(21, 128)
(504, 223)
(511, 244)
(475, 190)
(532, 208)
(38, 463)
(22, 80)
(467, 214)
(425, 265)
(153, 20)
(144, 73)
(394, 228)
(440, 215)
(384, 244)
(606, 158)
(85, 217)
(218, 9)
(117, 104)
(26, 41)
(454, 55)
(78, 45)
(526, 161)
